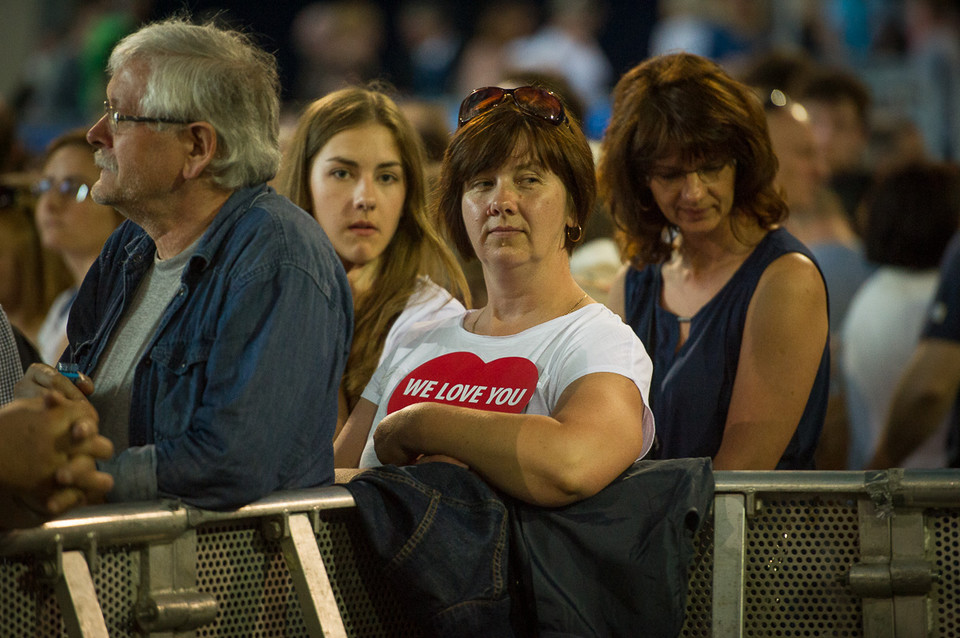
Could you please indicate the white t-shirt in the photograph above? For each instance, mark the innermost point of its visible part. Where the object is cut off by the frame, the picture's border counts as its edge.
(428, 302)
(53, 333)
(526, 373)
(880, 333)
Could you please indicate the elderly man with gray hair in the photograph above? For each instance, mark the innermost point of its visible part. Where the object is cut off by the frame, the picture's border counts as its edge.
(212, 331)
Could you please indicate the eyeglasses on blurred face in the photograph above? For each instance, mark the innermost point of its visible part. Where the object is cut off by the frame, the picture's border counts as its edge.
(673, 178)
(530, 100)
(114, 118)
(68, 187)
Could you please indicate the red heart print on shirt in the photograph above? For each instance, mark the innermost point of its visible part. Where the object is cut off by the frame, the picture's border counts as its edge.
(462, 378)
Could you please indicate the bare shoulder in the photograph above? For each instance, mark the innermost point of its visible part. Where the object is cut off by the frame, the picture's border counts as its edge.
(790, 292)
(791, 275)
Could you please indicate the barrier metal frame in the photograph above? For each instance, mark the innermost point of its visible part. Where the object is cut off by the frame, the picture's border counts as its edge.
(783, 554)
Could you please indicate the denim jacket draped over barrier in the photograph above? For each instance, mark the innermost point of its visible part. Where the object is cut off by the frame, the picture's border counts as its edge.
(235, 395)
(466, 560)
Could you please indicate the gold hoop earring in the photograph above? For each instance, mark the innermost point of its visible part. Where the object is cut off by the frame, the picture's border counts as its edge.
(579, 230)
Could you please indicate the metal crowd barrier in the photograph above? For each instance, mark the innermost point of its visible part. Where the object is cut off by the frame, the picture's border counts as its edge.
(783, 554)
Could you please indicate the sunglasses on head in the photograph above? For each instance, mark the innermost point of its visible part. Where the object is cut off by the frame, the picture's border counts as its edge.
(530, 100)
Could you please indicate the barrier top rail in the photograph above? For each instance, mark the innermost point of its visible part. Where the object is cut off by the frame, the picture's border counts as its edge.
(157, 521)
(161, 521)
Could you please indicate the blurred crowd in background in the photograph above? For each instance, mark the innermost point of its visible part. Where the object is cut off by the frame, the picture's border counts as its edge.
(853, 89)
(904, 51)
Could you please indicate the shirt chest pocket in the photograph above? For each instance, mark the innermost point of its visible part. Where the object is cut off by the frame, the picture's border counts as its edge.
(179, 357)
(177, 371)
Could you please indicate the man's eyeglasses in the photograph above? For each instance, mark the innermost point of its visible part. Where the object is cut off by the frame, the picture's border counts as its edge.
(114, 118)
(68, 187)
(675, 177)
(530, 100)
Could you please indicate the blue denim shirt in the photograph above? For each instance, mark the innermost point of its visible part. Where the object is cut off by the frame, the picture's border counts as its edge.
(236, 393)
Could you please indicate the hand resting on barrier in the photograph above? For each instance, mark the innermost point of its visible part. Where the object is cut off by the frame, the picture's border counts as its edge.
(49, 445)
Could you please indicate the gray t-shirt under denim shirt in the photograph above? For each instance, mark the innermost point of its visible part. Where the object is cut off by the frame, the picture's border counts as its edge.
(113, 377)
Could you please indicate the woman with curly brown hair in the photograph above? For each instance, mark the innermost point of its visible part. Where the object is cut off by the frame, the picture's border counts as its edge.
(732, 308)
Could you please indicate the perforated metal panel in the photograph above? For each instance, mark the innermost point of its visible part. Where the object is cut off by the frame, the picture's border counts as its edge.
(798, 549)
(700, 586)
(255, 591)
(250, 581)
(29, 608)
(116, 580)
(945, 606)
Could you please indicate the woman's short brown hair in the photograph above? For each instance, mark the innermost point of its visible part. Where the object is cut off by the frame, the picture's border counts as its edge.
(686, 106)
(489, 140)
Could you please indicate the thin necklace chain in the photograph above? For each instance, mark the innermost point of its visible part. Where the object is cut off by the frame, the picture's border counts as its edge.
(473, 328)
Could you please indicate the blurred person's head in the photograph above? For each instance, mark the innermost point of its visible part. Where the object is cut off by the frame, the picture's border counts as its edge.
(585, 17)
(911, 214)
(338, 43)
(676, 116)
(505, 20)
(785, 71)
(896, 141)
(839, 107)
(803, 171)
(70, 223)
(923, 17)
(429, 118)
(499, 128)
(553, 82)
(497, 25)
(420, 21)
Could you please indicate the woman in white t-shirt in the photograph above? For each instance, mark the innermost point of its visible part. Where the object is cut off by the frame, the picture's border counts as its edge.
(542, 392)
(356, 164)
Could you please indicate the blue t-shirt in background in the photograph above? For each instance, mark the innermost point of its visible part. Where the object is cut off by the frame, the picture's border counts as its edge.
(943, 322)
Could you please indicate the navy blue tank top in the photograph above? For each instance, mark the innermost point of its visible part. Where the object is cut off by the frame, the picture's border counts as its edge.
(691, 387)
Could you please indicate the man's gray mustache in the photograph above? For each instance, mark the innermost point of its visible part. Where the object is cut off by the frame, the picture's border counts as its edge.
(104, 162)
